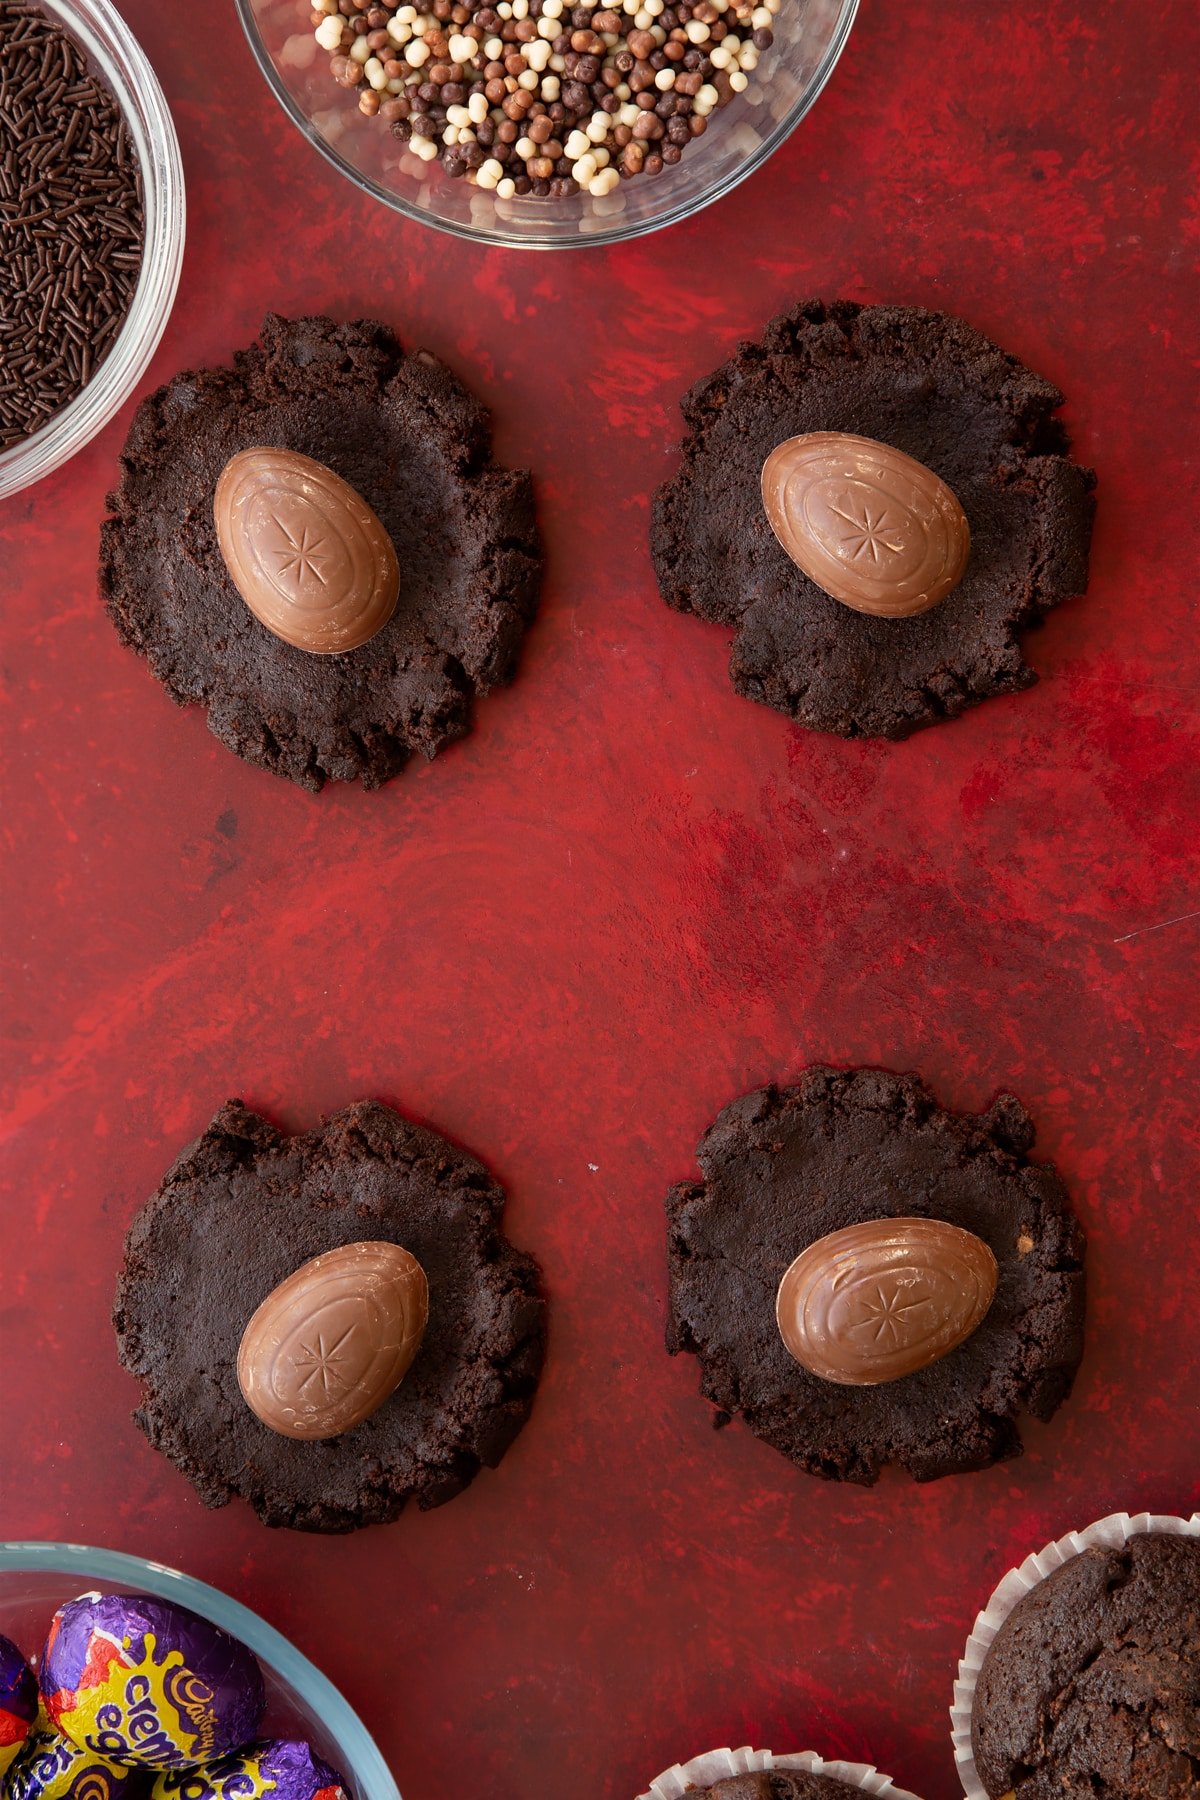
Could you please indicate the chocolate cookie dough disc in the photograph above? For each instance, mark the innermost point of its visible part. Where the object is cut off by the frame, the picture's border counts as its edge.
(407, 438)
(785, 1167)
(241, 1210)
(928, 385)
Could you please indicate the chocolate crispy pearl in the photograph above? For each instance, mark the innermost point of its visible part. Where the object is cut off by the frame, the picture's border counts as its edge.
(783, 1167)
(242, 1208)
(403, 432)
(930, 385)
(1091, 1688)
(779, 1784)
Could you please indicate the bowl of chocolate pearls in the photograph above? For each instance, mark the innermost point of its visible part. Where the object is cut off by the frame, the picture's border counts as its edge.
(538, 124)
(91, 227)
(124, 1680)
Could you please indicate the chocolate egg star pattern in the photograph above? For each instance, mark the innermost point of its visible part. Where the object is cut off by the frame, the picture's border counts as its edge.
(867, 1278)
(877, 589)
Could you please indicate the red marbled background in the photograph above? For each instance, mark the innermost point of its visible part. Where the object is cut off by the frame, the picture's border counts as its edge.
(628, 896)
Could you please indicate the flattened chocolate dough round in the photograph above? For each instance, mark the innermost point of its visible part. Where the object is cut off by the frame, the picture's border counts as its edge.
(1091, 1688)
(244, 1207)
(779, 1784)
(931, 386)
(406, 436)
(786, 1166)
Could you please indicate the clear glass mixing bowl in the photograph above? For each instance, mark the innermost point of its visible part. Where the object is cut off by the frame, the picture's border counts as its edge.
(35, 1579)
(121, 60)
(809, 37)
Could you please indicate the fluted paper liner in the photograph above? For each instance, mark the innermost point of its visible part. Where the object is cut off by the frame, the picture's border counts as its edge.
(716, 1765)
(1109, 1534)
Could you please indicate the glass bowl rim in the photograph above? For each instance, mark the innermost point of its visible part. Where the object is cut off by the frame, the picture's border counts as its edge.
(616, 234)
(112, 48)
(88, 1564)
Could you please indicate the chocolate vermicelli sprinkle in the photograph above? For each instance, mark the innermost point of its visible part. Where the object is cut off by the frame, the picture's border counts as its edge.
(71, 220)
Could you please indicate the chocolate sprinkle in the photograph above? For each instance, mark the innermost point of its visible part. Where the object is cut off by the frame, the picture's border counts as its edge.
(71, 220)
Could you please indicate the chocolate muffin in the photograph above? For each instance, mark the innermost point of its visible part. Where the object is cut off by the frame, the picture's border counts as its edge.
(785, 1167)
(408, 438)
(930, 386)
(241, 1210)
(779, 1784)
(1091, 1688)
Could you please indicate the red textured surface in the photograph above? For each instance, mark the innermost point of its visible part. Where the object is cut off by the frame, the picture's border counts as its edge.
(628, 896)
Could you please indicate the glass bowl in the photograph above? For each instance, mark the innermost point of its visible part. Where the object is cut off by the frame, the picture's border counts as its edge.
(809, 37)
(35, 1579)
(117, 55)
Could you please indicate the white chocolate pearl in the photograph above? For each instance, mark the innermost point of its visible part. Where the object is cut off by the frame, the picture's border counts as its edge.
(329, 32)
(489, 173)
(425, 148)
(597, 127)
(697, 31)
(373, 70)
(416, 54)
(477, 108)
(360, 50)
(739, 82)
(506, 189)
(551, 87)
(462, 49)
(664, 80)
(583, 170)
(603, 183)
(578, 144)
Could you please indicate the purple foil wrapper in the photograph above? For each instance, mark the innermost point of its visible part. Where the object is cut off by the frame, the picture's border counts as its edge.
(50, 1767)
(18, 1702)
(275, 1769)
(148, 1683)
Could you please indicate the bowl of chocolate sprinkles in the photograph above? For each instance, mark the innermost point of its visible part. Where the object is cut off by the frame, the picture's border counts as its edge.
(91, 227)
(547, 124)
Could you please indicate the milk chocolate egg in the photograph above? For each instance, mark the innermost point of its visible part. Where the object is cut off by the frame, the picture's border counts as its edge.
(877, 1301)
(334, 1341)
(875, 528)
(307, 554)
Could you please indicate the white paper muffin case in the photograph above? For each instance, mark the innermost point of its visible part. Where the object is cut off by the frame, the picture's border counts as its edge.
(1108, 1534)
(717, 1764)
